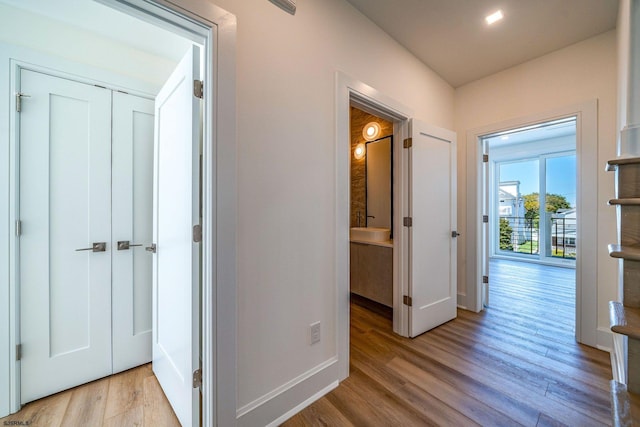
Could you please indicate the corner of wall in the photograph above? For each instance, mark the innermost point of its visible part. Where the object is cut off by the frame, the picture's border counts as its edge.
(462, 302)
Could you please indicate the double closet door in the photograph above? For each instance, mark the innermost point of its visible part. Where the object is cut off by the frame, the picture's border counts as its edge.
(86, 209)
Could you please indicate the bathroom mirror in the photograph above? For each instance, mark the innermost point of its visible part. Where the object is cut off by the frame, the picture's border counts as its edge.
(379, 178)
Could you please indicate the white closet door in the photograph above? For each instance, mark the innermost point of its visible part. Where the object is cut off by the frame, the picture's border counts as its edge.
(65, 173)
(176, 300)
(132, 185)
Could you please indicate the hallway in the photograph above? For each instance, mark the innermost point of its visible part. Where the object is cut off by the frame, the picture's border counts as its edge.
(514, 364)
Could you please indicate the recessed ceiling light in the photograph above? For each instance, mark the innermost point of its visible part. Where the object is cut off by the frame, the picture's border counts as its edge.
(494, 17)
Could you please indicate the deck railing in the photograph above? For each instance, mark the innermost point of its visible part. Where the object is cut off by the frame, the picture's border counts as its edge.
(522, 235)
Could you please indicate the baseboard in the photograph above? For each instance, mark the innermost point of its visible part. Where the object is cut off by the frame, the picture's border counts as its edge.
(284, 402)
(462, 302)
(303, 405)
(605, 339)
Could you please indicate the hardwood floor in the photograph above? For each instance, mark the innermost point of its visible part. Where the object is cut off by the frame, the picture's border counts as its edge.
(130, 398)
(513, 364)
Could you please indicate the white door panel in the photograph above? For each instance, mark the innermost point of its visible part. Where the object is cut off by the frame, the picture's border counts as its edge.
(176, 263)
(432, 248)
(132, 196)
(65, 171)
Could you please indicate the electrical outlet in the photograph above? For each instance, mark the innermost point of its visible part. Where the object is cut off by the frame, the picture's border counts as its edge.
(315, 332)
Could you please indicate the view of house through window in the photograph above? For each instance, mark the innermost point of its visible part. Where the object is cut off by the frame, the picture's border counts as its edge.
(532, 192)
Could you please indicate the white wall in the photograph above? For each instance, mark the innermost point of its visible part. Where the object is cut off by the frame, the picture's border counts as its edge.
(578, 73)
(286, 175)
(33, 31)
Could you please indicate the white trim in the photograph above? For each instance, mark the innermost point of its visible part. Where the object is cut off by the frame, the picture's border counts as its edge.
(284, 387)
(219, 309)
(303, 405)
(587, 158)
(350, 90)
(290, 397)
(462, 301)
(605, 339)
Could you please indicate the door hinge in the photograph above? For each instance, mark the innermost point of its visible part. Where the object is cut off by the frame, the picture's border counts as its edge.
(197, 233)
(152, 248)
(198, 88)
(18, 228)
(197, 378)
(19, 96)
(485, 218)
(485, 158)
(407, 221)
(19, 352)
(406, 299)
(408, 143)
(485, 279)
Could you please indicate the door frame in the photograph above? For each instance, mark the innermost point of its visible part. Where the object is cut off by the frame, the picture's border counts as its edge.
(350, 91)
(586, 114)
(217, 28)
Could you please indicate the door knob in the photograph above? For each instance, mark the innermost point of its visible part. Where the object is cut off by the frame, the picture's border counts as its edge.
(123, 245)
(96, 247)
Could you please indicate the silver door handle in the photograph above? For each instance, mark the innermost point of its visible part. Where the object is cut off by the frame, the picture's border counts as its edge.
(96, 247)
(123, 245)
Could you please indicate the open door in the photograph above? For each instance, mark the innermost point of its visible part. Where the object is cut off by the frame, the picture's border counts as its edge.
(176, 264)
(432, 234)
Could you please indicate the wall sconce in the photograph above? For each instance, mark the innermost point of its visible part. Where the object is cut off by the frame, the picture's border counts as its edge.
(360, 151)
(371, 131)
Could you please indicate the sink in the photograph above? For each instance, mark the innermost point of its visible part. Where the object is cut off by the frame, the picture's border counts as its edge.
(370, 234)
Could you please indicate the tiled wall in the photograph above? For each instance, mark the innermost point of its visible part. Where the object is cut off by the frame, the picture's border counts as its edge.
(358, 183)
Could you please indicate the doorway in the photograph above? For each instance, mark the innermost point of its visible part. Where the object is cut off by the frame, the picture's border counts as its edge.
(371, 236)
(86, 176)
(420, 301)
(205, 32)
(530, 206)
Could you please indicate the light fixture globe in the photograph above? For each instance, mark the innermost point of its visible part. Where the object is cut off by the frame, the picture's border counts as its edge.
(371, 131)
(359, 151)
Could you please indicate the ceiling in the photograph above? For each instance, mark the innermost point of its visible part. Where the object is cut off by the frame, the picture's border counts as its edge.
(452, 38)
(109, 23)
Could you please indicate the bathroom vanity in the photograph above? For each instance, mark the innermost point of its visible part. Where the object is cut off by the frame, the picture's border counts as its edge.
(372, 264)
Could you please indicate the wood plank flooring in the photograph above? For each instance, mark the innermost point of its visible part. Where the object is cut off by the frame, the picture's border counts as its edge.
(514, 364)
(130, 398)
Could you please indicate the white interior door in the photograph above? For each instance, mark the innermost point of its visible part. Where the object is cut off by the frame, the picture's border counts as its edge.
(432, 247)
(65, 173)
(176, 263)
(132, 198)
